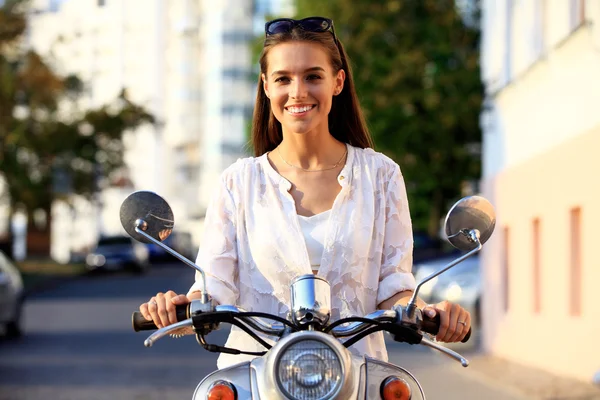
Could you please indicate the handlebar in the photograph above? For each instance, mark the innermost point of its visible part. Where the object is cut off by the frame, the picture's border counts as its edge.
(140, 323)
(183, 312)
(432, 326)
(186, 311)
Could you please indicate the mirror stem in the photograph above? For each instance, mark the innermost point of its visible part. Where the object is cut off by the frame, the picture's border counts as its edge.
(140, 224)
(473, 235)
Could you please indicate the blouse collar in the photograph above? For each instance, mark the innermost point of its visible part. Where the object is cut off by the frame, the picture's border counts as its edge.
(344, 177)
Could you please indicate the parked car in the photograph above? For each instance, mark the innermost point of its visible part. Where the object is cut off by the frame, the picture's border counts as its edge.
(11, 297)
(460, 284)
(118, 252)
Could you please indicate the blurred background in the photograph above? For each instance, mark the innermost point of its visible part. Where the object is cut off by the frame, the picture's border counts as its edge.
(100, 98)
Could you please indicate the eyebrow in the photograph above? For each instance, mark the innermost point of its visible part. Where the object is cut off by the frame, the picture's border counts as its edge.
(281, 72)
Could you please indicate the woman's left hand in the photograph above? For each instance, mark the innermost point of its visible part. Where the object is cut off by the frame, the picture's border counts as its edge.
(455, 321)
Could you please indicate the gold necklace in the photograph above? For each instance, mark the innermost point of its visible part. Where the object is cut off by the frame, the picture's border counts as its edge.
(313, 170)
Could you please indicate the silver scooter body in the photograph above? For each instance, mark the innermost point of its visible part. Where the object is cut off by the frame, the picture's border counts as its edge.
(362, 376)
(308, 361)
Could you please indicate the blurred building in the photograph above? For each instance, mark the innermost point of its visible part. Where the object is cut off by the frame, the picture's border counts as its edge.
(541, 67)
(190, 63)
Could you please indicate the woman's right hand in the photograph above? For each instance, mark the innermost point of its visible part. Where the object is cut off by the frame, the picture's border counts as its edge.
(161, 308)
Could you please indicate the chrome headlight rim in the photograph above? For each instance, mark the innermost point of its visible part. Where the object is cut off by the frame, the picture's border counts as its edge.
(339, 385)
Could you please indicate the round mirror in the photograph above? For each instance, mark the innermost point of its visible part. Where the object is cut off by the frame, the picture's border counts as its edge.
(472, 212)
(153, 210)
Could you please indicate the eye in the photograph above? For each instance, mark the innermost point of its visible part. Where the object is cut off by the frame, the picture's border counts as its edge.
(312, 77)
(282, 79)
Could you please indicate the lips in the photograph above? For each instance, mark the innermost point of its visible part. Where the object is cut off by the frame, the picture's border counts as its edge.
(298, 110)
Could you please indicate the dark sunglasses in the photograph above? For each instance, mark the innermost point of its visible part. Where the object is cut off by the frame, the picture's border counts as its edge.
(310, 24)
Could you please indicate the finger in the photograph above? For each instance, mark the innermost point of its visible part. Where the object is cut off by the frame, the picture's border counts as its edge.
(444, 320)
(466, 328)
(196, 295)
(170, 307)
(430, 311)
(454, 311)
(461, 328)
(180, 299)
(162, 310)
(152, 306)
(144, 311)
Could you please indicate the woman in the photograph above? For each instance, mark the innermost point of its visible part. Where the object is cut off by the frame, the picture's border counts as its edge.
(316, 197)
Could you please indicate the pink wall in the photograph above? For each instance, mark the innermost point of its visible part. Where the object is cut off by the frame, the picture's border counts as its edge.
(546, 188)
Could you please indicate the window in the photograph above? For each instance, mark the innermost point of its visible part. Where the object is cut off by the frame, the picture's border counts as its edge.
(575, 275)
(537, 290)
(506, 269)
(54, 5)
(576, 13)
(508, 38)
(539, 27)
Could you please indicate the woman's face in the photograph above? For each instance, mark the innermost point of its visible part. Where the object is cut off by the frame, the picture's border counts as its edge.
(300, 83)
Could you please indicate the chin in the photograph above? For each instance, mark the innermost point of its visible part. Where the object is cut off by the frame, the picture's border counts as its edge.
(298, 130)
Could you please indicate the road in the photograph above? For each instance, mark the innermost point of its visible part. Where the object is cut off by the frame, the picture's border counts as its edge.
(79, 345)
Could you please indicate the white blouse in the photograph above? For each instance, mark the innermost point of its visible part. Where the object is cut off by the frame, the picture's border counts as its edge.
(253, 245)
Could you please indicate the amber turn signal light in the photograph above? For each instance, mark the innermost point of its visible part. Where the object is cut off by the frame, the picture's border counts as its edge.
(394, 388)
(221, 390)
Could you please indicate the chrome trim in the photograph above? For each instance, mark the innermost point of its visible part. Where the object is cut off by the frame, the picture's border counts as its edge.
(162, 332)
(272, 328)
(412, 304)
(392, 378)
(376, 371)
(266, 366)
(238, 375)
(140, 223)
(355, 327)
(332, 394)
(451, 353)
(310, 299)
(224, 383)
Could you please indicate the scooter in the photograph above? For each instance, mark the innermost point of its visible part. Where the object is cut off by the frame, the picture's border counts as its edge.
(309, 360)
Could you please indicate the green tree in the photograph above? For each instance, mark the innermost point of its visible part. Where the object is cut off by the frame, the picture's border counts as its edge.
(416, 68)
(49, 149)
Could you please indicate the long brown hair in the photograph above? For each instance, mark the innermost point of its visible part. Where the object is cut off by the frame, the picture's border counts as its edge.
(346, 121)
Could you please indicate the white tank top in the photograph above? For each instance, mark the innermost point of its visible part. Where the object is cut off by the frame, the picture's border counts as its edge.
(314, 229)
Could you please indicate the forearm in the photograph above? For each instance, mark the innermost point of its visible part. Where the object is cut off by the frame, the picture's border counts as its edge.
(401, 298)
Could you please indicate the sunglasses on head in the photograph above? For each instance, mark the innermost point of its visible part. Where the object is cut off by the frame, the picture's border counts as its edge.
(310, 24)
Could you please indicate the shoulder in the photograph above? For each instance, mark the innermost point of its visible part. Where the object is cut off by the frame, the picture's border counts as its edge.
(375, 161)
(242, 170)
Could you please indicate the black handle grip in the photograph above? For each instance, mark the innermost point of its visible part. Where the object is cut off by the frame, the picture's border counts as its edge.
(140, 323)
(432, 326)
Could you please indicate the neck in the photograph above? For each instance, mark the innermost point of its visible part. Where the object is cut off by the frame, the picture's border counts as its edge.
(308, 152)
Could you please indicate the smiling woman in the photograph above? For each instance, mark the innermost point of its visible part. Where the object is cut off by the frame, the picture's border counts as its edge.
(318, 66)
(301, 89)
(316, 198)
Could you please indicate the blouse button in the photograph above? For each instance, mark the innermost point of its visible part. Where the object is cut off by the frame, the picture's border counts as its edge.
(342, 178)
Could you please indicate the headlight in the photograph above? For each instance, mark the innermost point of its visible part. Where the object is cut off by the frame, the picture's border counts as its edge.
(309, 369)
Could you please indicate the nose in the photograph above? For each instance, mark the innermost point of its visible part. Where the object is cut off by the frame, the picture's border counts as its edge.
(298, 89)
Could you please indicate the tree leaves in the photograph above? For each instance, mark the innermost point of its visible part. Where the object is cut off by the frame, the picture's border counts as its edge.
(47, 146)
(416, 69)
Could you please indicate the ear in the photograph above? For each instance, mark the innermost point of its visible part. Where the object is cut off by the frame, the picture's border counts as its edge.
(265, 85)
(340, 78)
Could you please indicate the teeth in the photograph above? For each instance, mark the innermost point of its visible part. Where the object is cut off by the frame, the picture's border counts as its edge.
(297, 110)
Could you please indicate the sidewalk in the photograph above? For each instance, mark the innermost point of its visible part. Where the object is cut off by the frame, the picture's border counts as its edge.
(533, 383)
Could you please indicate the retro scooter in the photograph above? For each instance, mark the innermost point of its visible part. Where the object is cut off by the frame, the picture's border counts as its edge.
(309, 360)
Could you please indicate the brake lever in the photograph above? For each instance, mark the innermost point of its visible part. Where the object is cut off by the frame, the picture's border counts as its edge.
(195, 322)
(162, 332)
(414, 320)
(451, 353)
